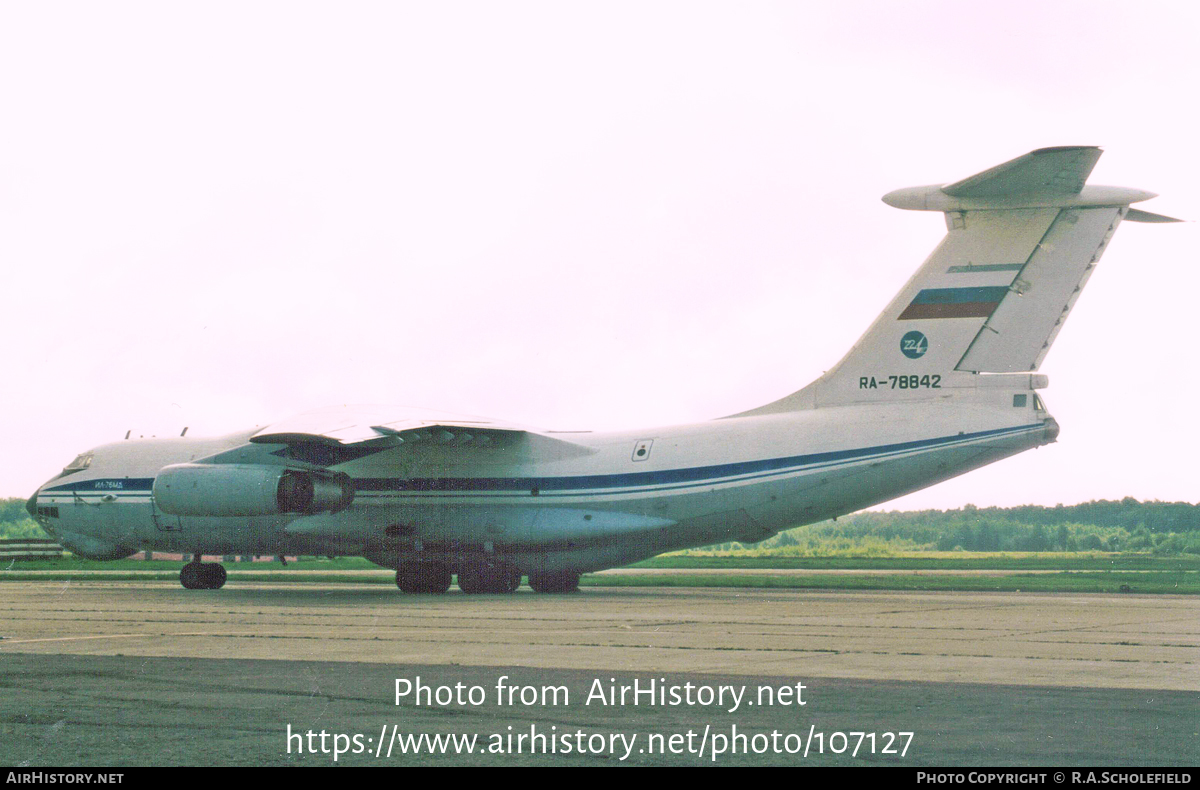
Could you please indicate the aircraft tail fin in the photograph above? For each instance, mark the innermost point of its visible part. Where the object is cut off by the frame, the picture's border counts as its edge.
(1022, 240)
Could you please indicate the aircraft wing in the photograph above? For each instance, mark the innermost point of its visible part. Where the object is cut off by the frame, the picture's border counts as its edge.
(347, 425)
(344, 429)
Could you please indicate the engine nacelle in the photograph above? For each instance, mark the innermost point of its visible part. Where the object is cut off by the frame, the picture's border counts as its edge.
(249, 490)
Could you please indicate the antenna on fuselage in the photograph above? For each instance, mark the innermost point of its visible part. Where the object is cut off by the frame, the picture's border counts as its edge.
(184, 431)
(128, 432)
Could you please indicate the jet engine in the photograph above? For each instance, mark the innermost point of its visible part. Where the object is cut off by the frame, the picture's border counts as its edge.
(249, 490)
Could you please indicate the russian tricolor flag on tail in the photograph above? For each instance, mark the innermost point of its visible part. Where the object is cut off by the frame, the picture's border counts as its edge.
(954, 303)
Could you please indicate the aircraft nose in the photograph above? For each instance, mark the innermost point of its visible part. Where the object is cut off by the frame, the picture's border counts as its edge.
(31, 504)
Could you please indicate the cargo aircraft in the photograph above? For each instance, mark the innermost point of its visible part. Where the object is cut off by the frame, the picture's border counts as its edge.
(944, 381)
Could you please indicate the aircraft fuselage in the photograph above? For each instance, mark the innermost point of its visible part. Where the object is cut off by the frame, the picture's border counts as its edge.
(631, 496)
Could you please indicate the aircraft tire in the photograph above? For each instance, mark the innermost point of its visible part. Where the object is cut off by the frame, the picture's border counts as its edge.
(423, 577)
(202, 576)
(190, 576)
(562, 582)
(215, 576)
(475, 579)
(436, 578)
(470, 580)
(405, 580)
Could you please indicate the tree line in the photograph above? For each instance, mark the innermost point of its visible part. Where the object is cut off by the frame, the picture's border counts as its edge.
(1104, 525)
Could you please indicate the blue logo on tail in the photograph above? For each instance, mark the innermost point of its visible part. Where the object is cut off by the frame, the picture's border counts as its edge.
(914, 345)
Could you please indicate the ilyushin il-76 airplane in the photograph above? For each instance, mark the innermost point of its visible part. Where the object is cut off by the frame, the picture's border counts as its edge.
(944, 381)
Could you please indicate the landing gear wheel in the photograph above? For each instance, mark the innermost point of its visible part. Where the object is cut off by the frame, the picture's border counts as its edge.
(423, 577)
(561, 582)
(405, 581)
(202, 576)
(190, 576)
(475, 579)
(471, 580)
(216, 576)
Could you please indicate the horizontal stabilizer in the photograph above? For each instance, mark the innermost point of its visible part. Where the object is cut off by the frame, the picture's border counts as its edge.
(1045, 178)
(1060, 171)
(1137, 215)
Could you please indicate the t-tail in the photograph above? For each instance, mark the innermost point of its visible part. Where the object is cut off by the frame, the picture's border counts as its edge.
(980, 314)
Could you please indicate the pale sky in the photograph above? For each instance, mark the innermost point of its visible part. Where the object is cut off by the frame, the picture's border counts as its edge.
(570, 215)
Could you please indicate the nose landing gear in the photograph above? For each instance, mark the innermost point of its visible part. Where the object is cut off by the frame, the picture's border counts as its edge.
(198, 575)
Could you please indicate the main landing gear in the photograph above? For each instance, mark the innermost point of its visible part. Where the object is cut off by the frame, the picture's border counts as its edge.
(498, 578)
(423, 577)
(481, 578)
(198, 575)
(561, 582)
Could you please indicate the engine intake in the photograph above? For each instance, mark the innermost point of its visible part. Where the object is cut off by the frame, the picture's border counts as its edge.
(249, 490)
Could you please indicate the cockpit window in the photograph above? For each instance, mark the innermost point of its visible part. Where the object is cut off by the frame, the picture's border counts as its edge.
(81, 462)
